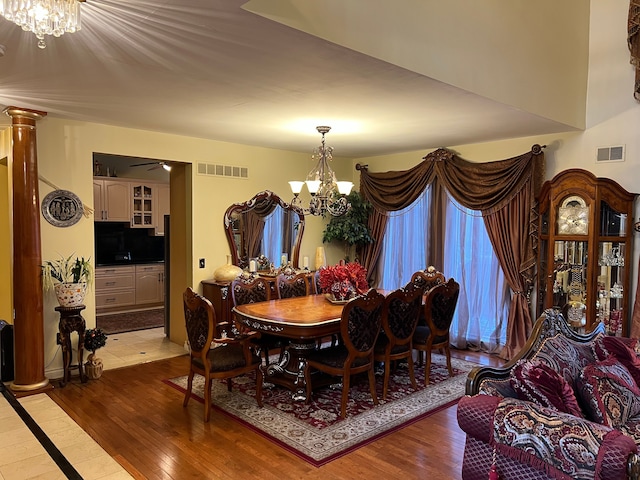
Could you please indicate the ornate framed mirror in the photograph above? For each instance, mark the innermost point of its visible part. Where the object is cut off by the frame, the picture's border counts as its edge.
(264, 225)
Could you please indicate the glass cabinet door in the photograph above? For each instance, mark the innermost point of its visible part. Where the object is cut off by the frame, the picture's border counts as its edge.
(570, 280)
(611, 297)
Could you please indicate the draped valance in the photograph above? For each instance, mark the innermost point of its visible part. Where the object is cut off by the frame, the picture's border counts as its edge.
(478, 186)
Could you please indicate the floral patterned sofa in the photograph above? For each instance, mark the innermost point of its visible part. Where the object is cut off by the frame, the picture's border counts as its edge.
(567, 407)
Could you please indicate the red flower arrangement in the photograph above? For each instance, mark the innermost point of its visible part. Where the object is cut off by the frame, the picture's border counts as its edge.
(344, 281)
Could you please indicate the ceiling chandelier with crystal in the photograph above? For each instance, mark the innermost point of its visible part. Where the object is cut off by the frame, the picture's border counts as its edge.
(43, 17)
(328, 195)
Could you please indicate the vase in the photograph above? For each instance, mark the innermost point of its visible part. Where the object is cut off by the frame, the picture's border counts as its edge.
(227, 272)
(321, 258)
(71, 294)
(93, 367)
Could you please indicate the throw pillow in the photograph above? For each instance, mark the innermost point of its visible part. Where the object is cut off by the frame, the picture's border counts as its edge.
(623, 349)
(609, 394)
(536, 382)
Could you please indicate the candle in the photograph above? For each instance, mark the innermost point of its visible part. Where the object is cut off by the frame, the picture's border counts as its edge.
(283, 259)
(305, 262)
(252, 266)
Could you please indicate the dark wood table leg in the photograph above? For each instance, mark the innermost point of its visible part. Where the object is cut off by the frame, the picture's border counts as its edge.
(290, 371)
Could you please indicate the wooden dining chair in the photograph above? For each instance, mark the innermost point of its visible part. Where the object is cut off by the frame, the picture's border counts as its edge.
(289, 286)
(359, 327)
(253, 289)
(400, 313)
(439, 307)
(229, 357)
(316, 282)
(428, 278)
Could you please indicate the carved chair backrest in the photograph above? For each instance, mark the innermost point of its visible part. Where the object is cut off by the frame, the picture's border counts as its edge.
(361, 323)
(428, 278)
(294, 286)
(440, 305)
(245, 291)
(316, 282)
(200, 320)
(400, 313)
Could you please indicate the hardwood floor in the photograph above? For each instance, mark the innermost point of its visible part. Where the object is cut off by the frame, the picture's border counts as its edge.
(140, 422)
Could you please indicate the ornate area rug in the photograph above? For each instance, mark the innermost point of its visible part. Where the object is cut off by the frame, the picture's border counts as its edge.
(132, 321)
(315, 431)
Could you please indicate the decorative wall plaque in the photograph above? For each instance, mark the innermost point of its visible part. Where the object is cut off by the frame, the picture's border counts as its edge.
(62, 208)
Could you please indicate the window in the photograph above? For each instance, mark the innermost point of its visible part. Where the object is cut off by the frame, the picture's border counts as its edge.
(405, 243)
(481, 316)
(483, 306)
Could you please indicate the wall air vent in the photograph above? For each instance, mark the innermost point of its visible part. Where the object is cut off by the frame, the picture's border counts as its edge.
(215, 170)
(610, 154)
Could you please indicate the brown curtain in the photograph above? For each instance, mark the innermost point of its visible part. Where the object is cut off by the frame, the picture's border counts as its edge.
(492, 188)
(633, 40)
(253, 230)
(370, 253)
(508, 229)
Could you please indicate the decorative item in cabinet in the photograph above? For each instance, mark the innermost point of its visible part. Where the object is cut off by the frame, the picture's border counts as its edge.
(142, 206)
(111, 200)
(585, 235)
(115, 288)
(150, 284)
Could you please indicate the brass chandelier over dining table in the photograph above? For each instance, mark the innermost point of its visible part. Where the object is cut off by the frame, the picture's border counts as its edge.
(328, 195)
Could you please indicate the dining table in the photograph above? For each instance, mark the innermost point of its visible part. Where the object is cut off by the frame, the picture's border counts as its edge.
(303, 320)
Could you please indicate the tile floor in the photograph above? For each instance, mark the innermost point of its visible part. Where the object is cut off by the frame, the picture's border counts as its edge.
(29, 460)
(131, 348)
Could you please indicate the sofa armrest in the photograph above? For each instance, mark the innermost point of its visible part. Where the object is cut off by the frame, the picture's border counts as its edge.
(475, 416)
(562, 445)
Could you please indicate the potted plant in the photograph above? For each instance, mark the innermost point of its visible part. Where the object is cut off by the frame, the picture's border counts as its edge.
(69, 278)
(352, 227)
(94, 338)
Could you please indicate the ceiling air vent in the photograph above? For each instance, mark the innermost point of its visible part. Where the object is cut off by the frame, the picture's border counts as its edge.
(214, 170)
(610, 154)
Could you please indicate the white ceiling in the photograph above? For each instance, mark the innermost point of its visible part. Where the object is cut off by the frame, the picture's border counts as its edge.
(386, 76)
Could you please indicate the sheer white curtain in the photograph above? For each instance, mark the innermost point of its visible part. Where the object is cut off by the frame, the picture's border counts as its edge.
(480, 320)
(405, 243)
(481, 316)
(272, 247)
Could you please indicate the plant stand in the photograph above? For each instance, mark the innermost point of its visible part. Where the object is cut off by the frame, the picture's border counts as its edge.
(71, 321)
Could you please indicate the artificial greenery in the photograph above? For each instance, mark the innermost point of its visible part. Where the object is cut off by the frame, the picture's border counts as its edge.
(67, 270)
(94, 338)
(352, 227)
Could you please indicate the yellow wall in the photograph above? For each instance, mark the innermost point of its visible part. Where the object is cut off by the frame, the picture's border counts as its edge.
(65, 151)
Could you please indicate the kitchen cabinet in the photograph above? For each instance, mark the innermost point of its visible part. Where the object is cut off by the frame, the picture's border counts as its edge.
(130, 287)
(162, 206)
(142, 207)
(111, 200)
(150, 284)
(585, 249)
(115, 288)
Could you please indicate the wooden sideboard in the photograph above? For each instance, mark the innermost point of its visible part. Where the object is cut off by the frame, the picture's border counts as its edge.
(219, 294)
